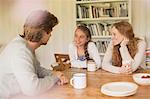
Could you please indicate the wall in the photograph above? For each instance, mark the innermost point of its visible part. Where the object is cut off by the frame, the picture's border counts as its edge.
(12, 18)
(141, 19)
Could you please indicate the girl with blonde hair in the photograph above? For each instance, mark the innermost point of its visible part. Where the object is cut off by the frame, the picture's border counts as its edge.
(83, 49)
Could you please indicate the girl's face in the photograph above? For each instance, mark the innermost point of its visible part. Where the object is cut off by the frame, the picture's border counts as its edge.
(116, 37)
(80, 38)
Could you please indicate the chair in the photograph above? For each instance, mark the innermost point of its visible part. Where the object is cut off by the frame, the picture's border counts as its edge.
(63, 61)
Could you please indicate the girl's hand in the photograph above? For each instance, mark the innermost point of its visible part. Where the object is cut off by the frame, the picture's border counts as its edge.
(124, 41)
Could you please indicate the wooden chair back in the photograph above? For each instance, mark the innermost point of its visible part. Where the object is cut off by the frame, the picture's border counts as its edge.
(63, 60)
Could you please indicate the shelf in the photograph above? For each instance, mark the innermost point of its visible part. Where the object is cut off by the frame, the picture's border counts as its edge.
(103, 19)
(99, 1)
(101, 37)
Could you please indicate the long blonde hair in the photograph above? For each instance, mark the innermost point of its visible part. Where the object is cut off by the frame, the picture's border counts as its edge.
(126, 30)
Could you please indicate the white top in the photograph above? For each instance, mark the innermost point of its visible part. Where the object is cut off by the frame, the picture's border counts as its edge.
(93, 54)
(137, 61)
(21, 72)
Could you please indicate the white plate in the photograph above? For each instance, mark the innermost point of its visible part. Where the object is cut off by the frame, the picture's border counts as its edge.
(119, 89)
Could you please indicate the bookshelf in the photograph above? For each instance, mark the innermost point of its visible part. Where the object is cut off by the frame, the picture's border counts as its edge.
(147, 61)
(99, 15)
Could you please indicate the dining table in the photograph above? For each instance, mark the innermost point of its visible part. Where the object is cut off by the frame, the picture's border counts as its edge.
(95, 80)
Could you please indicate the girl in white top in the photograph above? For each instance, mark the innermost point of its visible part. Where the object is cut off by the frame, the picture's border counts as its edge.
(83, 49)
(125, 54)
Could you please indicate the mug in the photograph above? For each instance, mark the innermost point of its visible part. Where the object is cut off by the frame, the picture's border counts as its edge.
(91, 66)
(78, 80)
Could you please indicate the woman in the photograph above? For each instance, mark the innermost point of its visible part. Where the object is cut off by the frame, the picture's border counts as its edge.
(125, 53)
(83, 49)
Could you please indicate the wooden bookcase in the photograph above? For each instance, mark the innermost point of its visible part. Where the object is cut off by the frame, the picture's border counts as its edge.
(99, 15)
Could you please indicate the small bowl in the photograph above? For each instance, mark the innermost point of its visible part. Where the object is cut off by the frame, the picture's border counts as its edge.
(142, 78)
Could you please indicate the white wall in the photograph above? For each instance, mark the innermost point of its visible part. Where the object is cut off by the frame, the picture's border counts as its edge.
(11, 21)
(141, 18)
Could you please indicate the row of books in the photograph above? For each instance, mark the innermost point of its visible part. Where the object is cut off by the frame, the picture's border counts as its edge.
(82, 11)
(99, 29)
(117, 9)
(147, 57)
(102, 45)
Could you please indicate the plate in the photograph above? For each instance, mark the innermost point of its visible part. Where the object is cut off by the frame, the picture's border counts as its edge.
(119, 89)
(138, 78)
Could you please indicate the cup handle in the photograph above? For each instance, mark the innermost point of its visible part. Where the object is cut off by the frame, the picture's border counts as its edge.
(71, 81)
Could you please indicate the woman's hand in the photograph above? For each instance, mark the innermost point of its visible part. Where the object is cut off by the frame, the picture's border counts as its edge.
(124, 41)
(126, 69)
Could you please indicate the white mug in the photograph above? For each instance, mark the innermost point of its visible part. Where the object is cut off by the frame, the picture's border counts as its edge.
(78, 80)
(91, 66)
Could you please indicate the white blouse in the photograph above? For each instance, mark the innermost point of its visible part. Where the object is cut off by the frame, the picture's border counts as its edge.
(137, 61)
(93, 54)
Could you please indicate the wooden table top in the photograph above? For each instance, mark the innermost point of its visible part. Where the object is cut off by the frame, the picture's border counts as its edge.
(94, 82)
